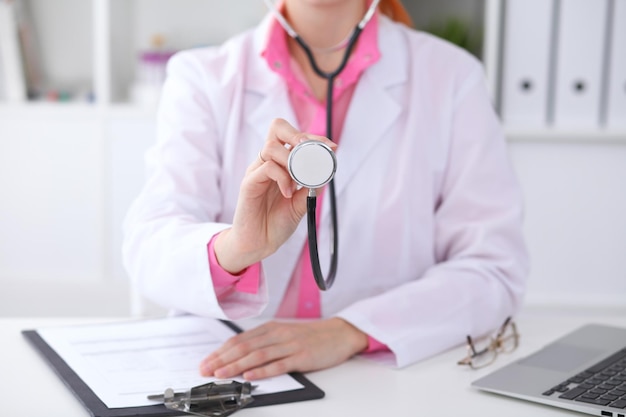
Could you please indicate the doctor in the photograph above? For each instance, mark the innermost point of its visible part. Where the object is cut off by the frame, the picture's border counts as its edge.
(429, 210)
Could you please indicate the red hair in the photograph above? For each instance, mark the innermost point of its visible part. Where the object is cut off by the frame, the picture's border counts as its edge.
(395, 11)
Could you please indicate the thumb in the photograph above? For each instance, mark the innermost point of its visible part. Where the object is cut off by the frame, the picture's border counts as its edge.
(299, 202)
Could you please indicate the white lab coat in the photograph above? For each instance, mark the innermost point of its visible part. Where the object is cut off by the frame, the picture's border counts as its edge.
(429, 210)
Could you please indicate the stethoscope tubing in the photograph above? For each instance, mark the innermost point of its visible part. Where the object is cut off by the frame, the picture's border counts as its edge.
(324, 283)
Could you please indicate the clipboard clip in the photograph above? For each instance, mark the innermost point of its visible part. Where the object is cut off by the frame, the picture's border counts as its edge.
(215, 399)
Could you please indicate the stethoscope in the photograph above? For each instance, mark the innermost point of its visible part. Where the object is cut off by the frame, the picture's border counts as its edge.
(312, 164)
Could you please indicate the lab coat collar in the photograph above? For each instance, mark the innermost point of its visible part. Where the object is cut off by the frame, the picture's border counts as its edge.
(373, 109)
(261, 81)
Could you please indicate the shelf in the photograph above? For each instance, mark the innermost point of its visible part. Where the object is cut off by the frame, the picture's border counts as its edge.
(75, 111)
(58, 49)
(131, 111)
(565, 136)
(35, 110)
(134, 25)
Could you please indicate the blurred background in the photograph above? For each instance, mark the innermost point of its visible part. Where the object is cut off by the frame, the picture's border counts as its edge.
(79, 82)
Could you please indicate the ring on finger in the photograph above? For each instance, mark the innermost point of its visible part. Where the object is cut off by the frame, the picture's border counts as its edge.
(261, 158)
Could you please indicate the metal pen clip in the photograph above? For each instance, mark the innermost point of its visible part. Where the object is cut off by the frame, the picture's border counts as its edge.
(218, 399)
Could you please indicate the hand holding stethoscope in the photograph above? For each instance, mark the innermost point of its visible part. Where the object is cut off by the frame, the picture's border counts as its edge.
(270, 204)
(311, 165)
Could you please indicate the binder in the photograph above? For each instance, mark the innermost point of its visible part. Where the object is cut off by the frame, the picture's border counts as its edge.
(527, 49)
(13, 80)
(581, 36)
(2, 92)
(616, 85)
(97, 408)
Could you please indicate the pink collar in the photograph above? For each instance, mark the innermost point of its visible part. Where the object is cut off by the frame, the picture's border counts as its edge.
(366, 53)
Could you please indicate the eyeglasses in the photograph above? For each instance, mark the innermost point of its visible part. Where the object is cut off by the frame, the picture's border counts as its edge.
(505, 341)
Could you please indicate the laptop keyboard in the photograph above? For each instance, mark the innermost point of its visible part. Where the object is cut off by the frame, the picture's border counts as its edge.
(602, 384)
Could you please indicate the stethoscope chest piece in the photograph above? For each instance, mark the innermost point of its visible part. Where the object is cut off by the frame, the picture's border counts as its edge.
(312, 164)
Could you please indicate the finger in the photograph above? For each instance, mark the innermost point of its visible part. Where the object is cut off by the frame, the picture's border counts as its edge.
(276, 173)
(258, 337)
(282, 132)
(237, 339)
(237, 347)
(274, 151)
(227, 357)
(279, 141)
(276, 368)
(259, 358)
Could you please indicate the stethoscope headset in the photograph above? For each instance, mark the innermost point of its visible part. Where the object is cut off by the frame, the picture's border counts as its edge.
(312, 164)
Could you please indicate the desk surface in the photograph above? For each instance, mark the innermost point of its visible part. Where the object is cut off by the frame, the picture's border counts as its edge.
(434, 387)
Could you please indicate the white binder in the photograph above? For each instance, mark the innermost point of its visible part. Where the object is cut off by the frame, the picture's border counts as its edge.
(581, 36)
(616, 85)
(526, 62)
(13, 78)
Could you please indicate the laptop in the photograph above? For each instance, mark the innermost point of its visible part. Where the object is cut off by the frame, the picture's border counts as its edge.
(583, 371)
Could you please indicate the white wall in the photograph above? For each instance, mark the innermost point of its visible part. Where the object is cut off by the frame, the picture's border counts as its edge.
(575, 220)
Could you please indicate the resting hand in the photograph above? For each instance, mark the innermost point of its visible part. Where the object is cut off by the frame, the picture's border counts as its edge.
(278, 348)
(269, 208)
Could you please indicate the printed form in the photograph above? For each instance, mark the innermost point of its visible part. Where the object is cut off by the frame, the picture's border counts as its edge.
(123, 363)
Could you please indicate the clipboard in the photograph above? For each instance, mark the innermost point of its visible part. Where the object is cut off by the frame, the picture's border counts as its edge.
(97, 408)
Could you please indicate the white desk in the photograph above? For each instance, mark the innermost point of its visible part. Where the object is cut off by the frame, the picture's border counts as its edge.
(434, 387)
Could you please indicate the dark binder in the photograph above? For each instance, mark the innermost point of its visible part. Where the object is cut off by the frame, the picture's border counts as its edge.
(98, 409)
